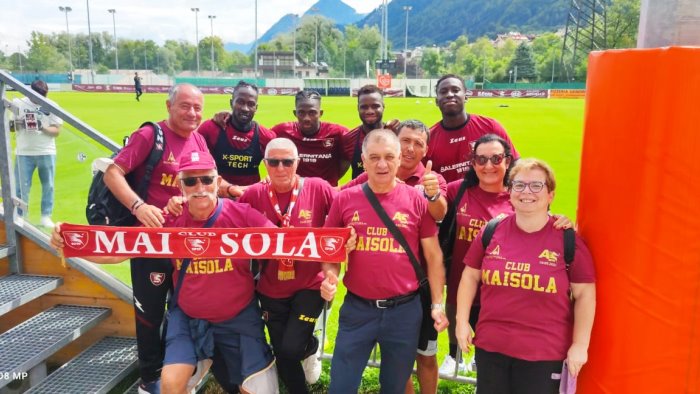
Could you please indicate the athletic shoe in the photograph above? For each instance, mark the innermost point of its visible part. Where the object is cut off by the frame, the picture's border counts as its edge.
(312, 366)
(152, 387)
(46, 221)
(449, 364)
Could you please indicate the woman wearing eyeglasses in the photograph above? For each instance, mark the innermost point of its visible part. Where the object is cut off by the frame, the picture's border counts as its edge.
(484, 198)
(528, 323)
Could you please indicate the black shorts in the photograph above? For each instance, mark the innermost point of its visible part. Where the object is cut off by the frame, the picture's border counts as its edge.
(427, 341)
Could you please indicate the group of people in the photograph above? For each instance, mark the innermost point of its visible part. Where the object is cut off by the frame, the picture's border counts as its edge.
(534, 310)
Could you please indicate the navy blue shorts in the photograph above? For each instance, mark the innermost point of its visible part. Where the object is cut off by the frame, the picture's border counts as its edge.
(239, 343)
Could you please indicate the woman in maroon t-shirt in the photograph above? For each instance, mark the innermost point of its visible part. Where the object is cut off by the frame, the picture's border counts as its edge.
(528, 323)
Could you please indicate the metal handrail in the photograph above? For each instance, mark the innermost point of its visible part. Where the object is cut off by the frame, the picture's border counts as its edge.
(15, 225)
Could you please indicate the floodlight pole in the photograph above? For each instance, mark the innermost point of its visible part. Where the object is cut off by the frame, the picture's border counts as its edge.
(211, 24)
(92, 70)
(256, 40)
(66, 10)
(406, 8)
(116, 45)
(196, 34)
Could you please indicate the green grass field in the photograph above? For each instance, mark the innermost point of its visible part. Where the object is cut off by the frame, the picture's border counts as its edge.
(547, 129)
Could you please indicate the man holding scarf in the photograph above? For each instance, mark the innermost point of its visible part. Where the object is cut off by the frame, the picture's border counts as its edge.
(289, 290)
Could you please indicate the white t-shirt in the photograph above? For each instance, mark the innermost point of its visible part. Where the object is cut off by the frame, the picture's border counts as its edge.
(31, 141)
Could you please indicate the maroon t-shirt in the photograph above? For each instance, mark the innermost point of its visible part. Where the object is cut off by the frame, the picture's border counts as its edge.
(379, 268)
(352, 149)
(217, 289)
(321, 154)
(235, 154)
(135, 154)
(475, 209)
(310, 210)
(451, 149)
(525, 308)
(411, 180)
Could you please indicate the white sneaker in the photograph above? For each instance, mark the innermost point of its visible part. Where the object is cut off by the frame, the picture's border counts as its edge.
(449, 365)
(46, 221)
(471, 365)
(312, 366)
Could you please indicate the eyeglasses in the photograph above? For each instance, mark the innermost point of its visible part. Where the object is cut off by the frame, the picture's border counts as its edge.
(276, 162)
(519, 186)
(205, 179)
(495, 159)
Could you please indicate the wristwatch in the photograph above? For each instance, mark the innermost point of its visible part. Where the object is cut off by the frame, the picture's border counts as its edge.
(433, 198)
(437, 306)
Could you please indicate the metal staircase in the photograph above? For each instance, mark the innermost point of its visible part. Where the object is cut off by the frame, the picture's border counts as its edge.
(61, 327)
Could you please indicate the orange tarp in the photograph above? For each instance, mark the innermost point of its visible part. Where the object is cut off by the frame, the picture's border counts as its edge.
(639, 211)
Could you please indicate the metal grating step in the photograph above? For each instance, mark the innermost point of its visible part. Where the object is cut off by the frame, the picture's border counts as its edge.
(134, 389)
(6, 251)
(16, 290)
(96, 370)
(28, 344)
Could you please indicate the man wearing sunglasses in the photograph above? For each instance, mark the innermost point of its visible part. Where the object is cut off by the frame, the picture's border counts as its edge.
(289, 290)
(213, 317)
(320, 144)
(152, 278)
(452, 138)
(237, 142)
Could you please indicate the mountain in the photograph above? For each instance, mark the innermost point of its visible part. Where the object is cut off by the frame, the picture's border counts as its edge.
(334, 10)
(441, 21)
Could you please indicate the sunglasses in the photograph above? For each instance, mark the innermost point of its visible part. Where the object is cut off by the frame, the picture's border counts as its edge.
(519, 186)
(205, 179)
(495, 159)
(276, 162)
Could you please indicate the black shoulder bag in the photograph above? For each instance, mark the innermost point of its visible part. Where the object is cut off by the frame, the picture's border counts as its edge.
(448, 228)
(423, 284)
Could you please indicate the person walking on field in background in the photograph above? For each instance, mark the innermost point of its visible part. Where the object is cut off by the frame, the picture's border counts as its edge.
(237, 142)
(137, 86)
(35, 149)
(151, 279)
(320, 144)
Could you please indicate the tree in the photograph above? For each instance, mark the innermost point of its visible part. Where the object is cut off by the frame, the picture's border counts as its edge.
(546, 50)
(432, 63)
(623, 23)
(524, 62)
(43, 56)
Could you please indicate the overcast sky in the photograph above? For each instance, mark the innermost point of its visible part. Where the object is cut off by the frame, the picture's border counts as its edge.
(158, 20)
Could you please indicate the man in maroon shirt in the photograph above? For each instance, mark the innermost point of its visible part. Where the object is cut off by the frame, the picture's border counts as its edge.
(151, 279)
(320, 144)
(237, 142)
(382, 305)
(289, 290)
(370, 107)
(452, 138)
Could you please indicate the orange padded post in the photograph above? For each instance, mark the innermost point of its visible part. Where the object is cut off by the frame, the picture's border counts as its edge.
(639, 212)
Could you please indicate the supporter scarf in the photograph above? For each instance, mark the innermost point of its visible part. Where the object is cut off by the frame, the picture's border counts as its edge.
(285, 267)
(301, 243)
